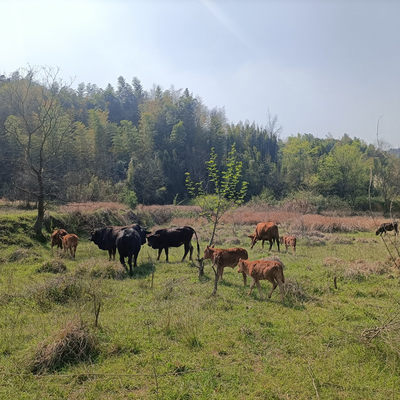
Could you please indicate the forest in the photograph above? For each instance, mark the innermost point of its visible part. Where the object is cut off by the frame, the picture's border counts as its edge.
(133, 145)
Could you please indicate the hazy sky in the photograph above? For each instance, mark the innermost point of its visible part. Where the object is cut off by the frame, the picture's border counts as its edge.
(323, 67)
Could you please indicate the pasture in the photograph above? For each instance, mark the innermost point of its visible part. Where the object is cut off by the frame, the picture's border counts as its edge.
(161, 335)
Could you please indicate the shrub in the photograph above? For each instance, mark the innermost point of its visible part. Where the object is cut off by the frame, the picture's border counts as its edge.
(108, 271)
(22, 254)
(58, 290)
(53, 266)
(72, 344)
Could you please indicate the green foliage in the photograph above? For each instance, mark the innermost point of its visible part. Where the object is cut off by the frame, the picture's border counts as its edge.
(85, 142)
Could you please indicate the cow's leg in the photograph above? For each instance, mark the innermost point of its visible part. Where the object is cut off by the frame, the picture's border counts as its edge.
(122, 261)
(274, 285)
(166, 253)
(277, 242)
(281, 289)
(130, 264)
(259, 289)
(220, 271)
(270, 244)
(251, 286)
(191, 251)
(244, 279)
(109, 254)
(186, 245)
(262, 244)
(159, 253)
(135, 256)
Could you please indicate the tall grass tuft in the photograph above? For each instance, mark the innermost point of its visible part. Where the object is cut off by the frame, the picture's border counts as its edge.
(72, 344)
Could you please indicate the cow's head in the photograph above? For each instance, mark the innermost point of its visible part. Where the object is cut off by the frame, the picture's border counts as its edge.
(253, 238)
(142, 233)
(97, 236)
(242, 266)
(208, 252)
(154, 240)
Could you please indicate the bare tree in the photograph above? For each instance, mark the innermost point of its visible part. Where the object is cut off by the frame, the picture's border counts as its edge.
(38, 125)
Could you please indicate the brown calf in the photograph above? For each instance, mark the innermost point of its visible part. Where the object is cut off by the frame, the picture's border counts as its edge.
(225, 258)
(56, 238)
(70, 242)
(265, 231)
(289, 241)
(264, 269)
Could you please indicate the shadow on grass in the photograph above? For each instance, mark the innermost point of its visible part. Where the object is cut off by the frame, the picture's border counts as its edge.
(143, 270)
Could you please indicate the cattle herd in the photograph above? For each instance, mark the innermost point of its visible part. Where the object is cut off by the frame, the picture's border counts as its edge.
(129, 239)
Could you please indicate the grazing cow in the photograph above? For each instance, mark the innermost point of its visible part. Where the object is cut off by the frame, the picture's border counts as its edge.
(387, 226)
(289, 241)
(265, 231)
(70, 242)
(56, 238)
(129, 242)
(271, 270)
(225, 258)
(105, 238)
(173, 237)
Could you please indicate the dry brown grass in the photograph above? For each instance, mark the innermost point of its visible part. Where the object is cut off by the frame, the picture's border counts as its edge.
(72, 344)
(358, 269)
(92, 206)
(295, 221)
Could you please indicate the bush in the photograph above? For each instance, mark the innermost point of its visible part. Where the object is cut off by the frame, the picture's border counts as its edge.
(108, 271)
(72, 344)
(53, 266)
(58, 290)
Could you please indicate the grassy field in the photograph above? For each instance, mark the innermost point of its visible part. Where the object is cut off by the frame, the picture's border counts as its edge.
(161, 335)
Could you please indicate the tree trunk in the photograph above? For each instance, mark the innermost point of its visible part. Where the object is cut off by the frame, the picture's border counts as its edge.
(40, 208)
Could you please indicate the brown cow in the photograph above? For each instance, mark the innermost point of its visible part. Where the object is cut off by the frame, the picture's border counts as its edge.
(289, 241)
(56, 238)
(271, 270)
(225, 258)
(265, 231)
(70, 242)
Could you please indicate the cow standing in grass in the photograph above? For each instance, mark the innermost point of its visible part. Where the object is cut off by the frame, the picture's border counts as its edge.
(70, 242)
(173, 237)
(386, 227)
(105, 238)
(129, 242)
(56, 238)
(222, 258)
(289, 241)
(265, 231)
(271, 270)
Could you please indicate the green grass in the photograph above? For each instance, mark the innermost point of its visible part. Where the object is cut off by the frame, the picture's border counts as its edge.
(175, 341)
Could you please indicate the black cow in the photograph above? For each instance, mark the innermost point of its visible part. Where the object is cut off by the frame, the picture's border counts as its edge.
(128, 243)
(387, 226)
(173, 237)
(105, 238)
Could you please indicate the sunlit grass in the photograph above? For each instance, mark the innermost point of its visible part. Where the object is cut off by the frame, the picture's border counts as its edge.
(165, 335)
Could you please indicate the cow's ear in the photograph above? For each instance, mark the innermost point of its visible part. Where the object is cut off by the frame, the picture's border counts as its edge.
(213, 246)
(147, 233)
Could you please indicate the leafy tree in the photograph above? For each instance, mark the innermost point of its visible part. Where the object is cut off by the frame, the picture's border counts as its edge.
(38, 126)
(223, 191)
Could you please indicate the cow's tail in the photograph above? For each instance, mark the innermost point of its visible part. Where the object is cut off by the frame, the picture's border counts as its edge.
(198, 246)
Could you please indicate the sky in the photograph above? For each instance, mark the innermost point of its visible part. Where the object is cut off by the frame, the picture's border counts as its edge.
(326, 67)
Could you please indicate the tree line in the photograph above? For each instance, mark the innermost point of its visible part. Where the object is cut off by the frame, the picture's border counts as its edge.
(134, 145)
